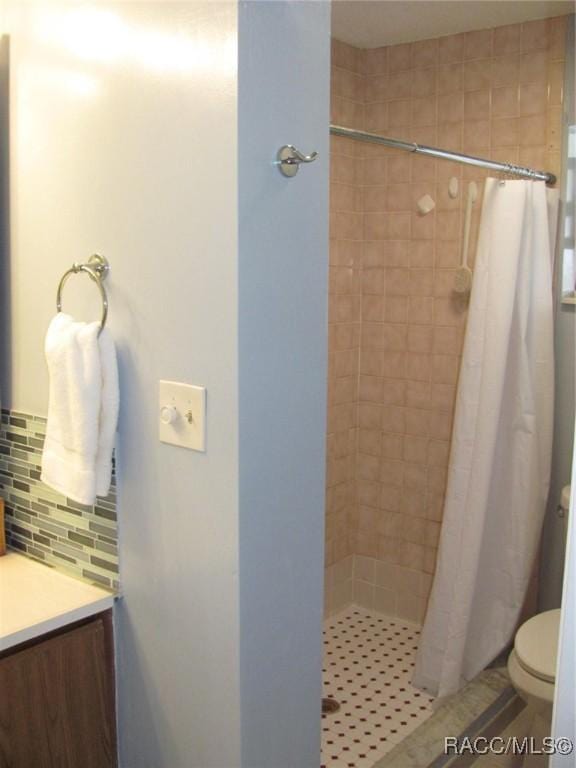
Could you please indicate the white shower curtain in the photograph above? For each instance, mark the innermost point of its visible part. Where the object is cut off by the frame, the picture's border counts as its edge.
(501, 443)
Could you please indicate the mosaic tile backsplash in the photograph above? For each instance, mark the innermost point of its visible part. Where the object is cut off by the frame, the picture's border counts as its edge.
(43, 524)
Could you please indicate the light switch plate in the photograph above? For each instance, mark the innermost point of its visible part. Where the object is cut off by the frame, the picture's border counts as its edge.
(182, 415)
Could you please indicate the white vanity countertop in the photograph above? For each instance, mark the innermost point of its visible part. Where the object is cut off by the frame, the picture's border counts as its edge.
(36, 599)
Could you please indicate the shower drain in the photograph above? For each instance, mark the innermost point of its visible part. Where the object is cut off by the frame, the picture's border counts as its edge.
(329, 706)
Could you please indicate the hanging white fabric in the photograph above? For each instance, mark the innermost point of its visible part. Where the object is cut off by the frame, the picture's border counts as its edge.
(500, 458)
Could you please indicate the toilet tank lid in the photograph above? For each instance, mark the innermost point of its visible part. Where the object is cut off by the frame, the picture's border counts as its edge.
(536, 645)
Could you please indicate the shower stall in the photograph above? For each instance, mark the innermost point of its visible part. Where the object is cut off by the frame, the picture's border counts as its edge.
(464, 107)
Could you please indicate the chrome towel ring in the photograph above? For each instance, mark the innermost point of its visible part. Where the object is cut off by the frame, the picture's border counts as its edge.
(97, 269)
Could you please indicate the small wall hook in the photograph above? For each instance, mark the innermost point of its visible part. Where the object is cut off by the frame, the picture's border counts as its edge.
(289, 159)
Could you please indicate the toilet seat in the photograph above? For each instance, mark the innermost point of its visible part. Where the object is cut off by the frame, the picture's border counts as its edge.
(537, 693)
(536, 645)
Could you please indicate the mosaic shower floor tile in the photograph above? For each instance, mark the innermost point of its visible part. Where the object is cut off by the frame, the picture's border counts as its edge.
(368, 663)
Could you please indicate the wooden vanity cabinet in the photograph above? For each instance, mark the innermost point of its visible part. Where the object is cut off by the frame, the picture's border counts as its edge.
(57, 700)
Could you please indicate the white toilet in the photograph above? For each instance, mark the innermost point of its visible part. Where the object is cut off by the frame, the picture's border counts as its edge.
(532, 663)
(532, 670)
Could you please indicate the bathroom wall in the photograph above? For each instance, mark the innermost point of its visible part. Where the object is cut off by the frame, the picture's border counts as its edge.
(283, 96)
(5, 303)
(556, 527)
(495, 93)
(134, 153)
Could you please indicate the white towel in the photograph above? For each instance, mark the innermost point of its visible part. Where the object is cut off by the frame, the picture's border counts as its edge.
(82, 409)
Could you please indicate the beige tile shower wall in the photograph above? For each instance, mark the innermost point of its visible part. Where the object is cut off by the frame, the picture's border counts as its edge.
(495, 93)
(346, 234)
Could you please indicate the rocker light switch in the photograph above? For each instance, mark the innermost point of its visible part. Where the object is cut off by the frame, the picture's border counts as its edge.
(182, 415)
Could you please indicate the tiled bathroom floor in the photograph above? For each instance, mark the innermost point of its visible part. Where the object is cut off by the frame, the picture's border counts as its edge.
(368, 662)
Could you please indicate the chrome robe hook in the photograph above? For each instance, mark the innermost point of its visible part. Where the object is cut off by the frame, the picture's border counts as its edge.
(289, 159)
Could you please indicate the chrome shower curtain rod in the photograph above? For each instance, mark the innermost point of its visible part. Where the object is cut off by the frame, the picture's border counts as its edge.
(444, 154)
